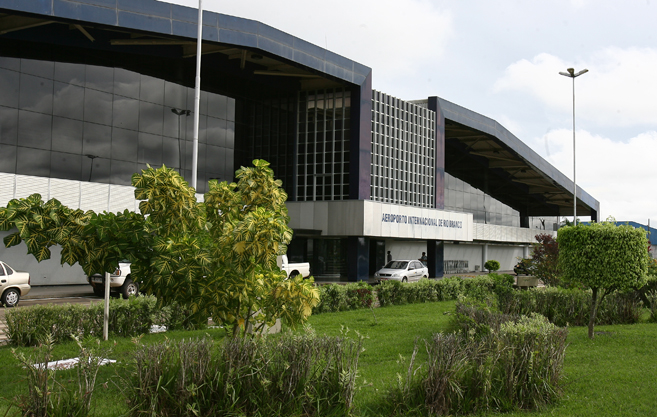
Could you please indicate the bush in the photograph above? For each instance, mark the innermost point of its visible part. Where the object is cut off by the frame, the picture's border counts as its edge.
(519, 367)
(288, 375)
(337, 297)
(492, 265)
(127, 318)
(571, 306)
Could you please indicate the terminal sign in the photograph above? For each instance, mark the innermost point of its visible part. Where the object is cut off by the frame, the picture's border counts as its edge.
(424, 221)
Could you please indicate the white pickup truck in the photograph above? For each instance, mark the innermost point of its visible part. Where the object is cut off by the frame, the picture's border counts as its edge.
(120, 281)
(293, 269)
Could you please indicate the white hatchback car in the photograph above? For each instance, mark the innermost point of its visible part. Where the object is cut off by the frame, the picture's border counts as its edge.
(13, 285)
(402, 270)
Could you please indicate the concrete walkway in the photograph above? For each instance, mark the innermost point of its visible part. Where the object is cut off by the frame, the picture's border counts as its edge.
(59, 291)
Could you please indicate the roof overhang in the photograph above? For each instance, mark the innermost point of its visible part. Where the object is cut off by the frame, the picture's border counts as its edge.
(481, 152)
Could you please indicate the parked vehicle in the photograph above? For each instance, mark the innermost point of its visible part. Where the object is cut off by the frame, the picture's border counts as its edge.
(402, 270)
(120, 281)
(293, 269)
(13, 285)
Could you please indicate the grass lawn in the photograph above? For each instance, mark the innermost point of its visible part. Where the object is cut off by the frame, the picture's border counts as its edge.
(613, 375)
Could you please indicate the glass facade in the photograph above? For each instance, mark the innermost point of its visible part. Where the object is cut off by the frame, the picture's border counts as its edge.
(403, 152)
(323, 145)
(102, 124)
(462, 197)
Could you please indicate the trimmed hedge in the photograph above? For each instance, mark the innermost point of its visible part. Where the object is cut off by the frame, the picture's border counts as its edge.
(336, 297)
(572, 306)
(127, 318)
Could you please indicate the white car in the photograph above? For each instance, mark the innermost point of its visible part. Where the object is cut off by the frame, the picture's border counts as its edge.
(120, 281)
(402, 270)
(13, 285)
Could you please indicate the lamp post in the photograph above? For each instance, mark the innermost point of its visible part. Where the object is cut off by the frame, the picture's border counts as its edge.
(572, 74)
(91, 169)
(180, 112)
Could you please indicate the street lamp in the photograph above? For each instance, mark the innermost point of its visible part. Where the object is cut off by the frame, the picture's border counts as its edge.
(91, 169)
(180, 112)
(572, 74)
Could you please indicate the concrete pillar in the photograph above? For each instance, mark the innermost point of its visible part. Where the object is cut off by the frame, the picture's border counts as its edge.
(484, 256)
(525, 252)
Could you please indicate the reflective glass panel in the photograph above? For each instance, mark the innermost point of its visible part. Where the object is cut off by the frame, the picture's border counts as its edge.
(150, 118)
(10, 63)
(31, 161)
(125, 144)
(66, 165)
(125, 113)
(121, 172)
(216, 132)
(70, 73)
(39, 68)
(34, 129)
(8, 125)
(97, 107)
(151, 90)
(68, 101)
(67, 135)
(36, 94)
(126, 83)
(96, 169)
(9, 82)
(150, 149)
(8, 158)
(100, 78)
(97, 140)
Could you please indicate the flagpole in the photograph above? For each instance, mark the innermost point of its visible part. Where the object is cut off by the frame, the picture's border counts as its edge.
(197, 93)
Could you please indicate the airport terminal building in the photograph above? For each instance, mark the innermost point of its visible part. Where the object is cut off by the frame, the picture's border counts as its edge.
(91, 91)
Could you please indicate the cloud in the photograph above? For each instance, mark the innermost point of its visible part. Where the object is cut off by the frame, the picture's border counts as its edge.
(618, 91)
(620, 175)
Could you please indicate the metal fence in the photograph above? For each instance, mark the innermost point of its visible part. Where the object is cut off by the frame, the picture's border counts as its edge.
(455, 267)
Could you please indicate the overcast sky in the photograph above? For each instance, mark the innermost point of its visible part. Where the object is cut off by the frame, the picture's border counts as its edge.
(502, 59)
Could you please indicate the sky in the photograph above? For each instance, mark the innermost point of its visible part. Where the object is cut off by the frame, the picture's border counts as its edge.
(502, 59)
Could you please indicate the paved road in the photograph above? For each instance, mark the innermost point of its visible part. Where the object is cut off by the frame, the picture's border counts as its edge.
(62, 294)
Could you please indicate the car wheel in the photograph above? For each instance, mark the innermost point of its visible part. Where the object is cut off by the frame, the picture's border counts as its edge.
(99, 291)
(129, 289)
(11, 297)
(294, 274)
(424, 276)
(404, 279)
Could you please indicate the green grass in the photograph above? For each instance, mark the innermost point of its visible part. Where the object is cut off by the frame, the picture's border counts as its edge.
(613, 375)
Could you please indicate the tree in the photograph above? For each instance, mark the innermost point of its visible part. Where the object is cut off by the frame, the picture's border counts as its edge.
(216, 258)
(545, 259)
(492, 265)
(604, 257)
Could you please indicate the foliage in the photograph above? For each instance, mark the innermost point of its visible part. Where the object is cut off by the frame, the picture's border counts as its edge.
(572, 307)
(545, 259)
(127, 318)
(518, 367)
(288, 375)
(492, 265)
(604, 257)
(338, 297)
(49, 397)
(216, 258)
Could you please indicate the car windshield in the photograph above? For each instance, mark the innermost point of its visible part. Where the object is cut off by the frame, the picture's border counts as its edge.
(396, 265)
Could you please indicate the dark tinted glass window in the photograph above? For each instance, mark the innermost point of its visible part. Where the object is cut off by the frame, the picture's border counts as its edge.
(8, 158)
(67, 135)
(39, 68)
(96, 169)
(100, 78)
(175, 96)
(9, 86)
(150, 149)
(70, 73)
(68, 101)
(126, 83)
(10, 63)
(125, 144)
(34, 129)
(31, 161)
(97, 140)
(150, 118)
(152, 90)
(97, 107)
(216, 131)
(126, 113)
(121, 172)
(66, 165)
(36, 94)
(8, 125)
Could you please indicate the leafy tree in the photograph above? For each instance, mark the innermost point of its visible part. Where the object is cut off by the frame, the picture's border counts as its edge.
(216, 258)
(545, 259)
(604, 257)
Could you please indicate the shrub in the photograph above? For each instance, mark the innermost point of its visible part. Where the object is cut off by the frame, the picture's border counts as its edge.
(127, 318)
(492, 265)
(337, 297)
(545, 259)
(519, 367)
(478, 317)
(288, 375)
